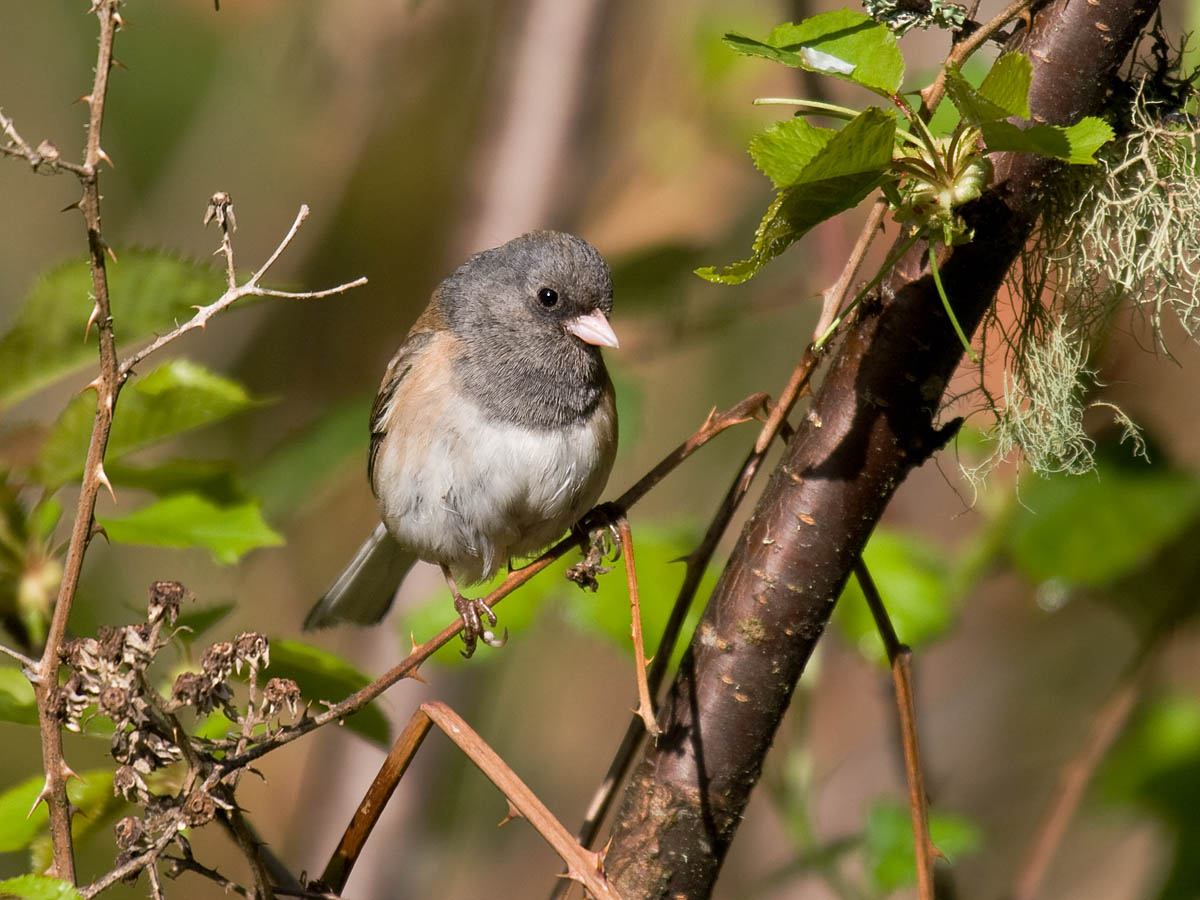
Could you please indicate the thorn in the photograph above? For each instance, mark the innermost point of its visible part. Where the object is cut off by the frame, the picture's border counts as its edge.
(93, 385)
(416, 675)
(78, 204)
(102, 477)
(415, 646)
(88, 330)
(100, 154)
(43, 794)
(513, 813)
(111, 253)
(116, 17)
(98, 530)
(68, 773)
(710, 419)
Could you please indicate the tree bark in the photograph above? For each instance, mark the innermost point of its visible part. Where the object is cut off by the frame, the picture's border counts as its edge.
(871, 422)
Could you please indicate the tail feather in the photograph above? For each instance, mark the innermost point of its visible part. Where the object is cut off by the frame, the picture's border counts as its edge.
(364, 591)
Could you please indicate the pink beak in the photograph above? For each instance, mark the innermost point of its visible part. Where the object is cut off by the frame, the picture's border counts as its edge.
(593, 328)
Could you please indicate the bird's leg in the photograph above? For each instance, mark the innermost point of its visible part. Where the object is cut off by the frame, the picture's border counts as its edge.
(473, 611)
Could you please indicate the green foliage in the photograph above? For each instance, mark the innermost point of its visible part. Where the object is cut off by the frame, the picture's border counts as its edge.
(1004, 91)
(176, 397)
(324, 676)
(38, 887)
(17, 702)
(45, 342)
(852, 38)
(849, 165)
(1156, 767)
(21, 822)
(888, 843)
(914, 578)
(189, 520)
(1076, 144)
(785, 148)
(1091, 530)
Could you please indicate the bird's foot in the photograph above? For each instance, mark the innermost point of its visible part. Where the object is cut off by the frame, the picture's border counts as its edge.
(474, 612)
(600, 542)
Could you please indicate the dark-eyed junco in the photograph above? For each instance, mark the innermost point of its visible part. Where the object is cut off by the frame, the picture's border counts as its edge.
(494, 429)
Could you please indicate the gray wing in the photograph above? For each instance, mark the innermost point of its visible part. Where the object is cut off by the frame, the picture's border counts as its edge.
(397, 369)
(364, 591)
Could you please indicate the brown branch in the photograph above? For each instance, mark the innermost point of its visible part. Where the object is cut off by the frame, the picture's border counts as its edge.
(645, 710)
(107, 385)
(900, 657)
(870, 423)
(45, 155)
(409, 666)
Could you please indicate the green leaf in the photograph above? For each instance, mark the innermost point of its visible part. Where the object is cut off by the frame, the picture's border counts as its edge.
(150, 292)
(323, 676)
(38, 887)
(785, 148)
(888, 843)
(1007, 84)
(212, 479)
(287, 477)
(17, 703)
(200, 620)
(845, 170)
(19, 826)
(189, 520)
(913, 578)
(1093, 529)
(1074, 144)
(174, 398)
(853, 39)
(1004, 92)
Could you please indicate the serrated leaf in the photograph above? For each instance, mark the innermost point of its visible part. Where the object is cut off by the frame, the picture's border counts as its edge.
(176, 397)
(854, 40)
(92, 795)
(785, 148)
(1074, 144)
(189, 520)
(149, 291)
(888, 843)
(17, 702)
(1007, 84)
(38, 887)
(845, 170)
(1093, 529)
(323, 676)
(913, 578)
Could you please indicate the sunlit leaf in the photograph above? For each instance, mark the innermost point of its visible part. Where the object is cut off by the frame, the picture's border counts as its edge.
(1076, 144)
(174, 398)
(38, 887)
(213, 479)
(845, 170)
(150, 292)
(1003, 93)
(189, 520)
(323, 676)
(20, 822)
(785, 148)
(853, 39)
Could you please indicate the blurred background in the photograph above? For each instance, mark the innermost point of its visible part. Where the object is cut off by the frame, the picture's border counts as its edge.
(421, 132)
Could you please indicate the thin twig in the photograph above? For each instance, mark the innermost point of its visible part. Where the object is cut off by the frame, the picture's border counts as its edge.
(137, 863)
(409, 666)
(582, 865)
(900, 656)
(645, 710)
(251, 288)
(29, 665)
(248, 844)
(45, 155)
(371, 807)
(188, 863)
(107, 386)
(1077, 774)
(833, 296)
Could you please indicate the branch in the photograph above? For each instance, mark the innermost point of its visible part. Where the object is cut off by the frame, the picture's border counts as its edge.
(409, 666)
(870, 423)
(46, 153)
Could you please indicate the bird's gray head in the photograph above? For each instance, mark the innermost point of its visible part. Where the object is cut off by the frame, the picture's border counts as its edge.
(533, 314)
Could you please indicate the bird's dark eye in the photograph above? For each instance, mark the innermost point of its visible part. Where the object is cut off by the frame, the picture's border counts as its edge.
(548, 297)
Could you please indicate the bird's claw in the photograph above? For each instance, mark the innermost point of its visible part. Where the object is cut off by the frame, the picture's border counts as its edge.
(474, 611)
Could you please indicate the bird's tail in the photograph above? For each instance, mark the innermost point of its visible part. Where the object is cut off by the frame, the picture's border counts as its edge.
(364, 591)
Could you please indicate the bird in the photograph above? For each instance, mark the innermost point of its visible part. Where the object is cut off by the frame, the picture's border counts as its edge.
(494, 429)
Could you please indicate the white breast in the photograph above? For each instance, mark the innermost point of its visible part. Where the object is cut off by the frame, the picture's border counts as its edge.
(470, 493)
